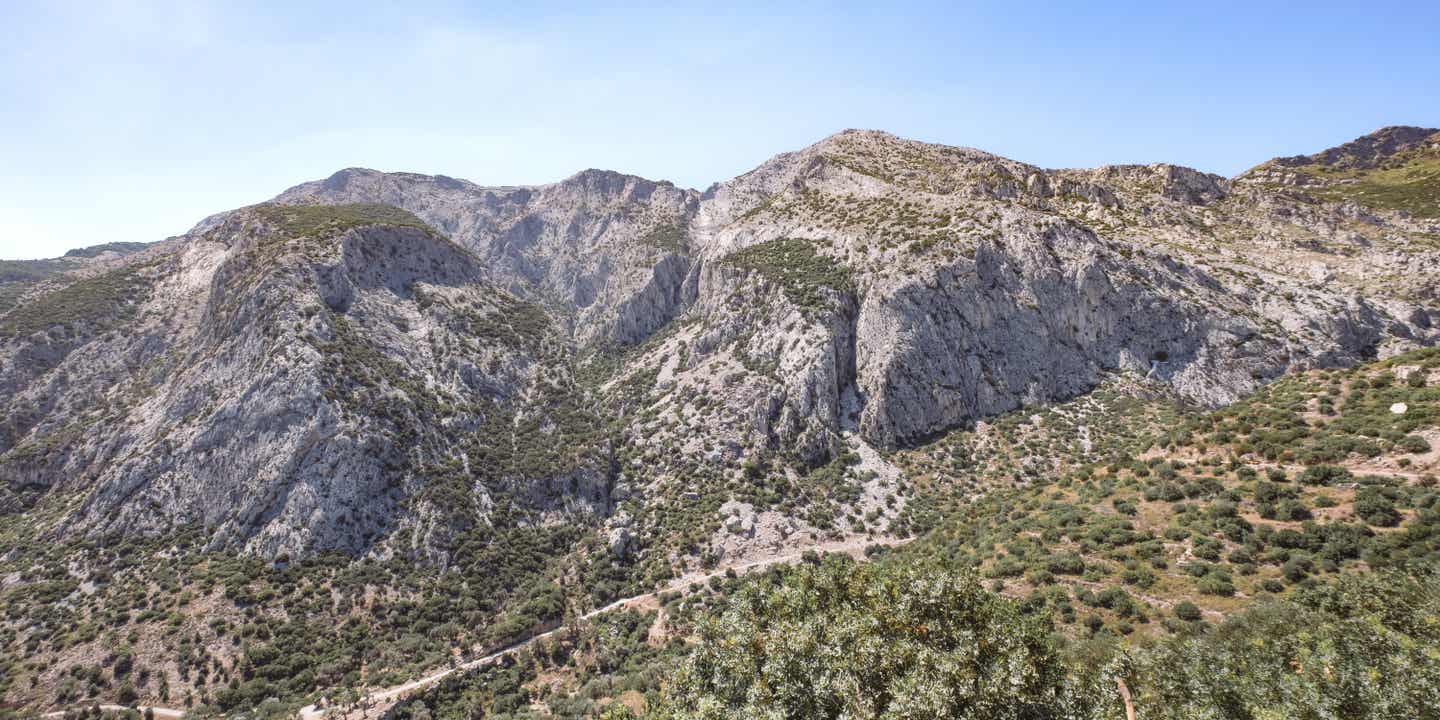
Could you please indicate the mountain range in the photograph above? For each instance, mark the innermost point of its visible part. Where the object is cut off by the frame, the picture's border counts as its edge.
(653, 380)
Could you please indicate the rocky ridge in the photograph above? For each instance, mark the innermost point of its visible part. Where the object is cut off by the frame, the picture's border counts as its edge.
(288, 380)
(296, 378)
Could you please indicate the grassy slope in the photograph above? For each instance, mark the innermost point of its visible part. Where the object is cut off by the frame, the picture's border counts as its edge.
(98, 302)
(1410, 181)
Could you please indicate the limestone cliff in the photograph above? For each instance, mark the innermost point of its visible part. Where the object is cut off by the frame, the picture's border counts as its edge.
(325, 370)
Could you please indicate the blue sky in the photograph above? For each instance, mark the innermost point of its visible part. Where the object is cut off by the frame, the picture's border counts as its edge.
(132, 119)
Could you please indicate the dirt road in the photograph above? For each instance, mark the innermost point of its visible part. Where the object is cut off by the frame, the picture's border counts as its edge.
(160, 712)
(855, 547)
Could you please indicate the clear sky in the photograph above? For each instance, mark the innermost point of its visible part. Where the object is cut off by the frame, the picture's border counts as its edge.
(132, 119)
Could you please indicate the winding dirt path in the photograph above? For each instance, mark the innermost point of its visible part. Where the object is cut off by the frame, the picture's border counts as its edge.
(379, 699)
(1356, 471)
(160, 712)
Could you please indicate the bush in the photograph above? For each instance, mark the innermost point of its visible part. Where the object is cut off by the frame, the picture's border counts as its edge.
(1188, 611)
(1067, 564)
(1376, 508)
(1325, 475)
(1039, 577)
(1413, 444)
(1216, 584)
(1207, 549)
(1269, 492)
(1292, 510)
(1297, 568)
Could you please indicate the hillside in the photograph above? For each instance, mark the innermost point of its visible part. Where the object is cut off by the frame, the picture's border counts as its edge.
(1394, 168)
(385, 422)
(1174, 534)
(1311, 476)
(17, 277)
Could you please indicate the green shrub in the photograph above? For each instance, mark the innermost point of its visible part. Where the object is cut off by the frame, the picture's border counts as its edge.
(1216, 584)
(1413, 444)
(1325, 475)
(1291, 509)
(1066, 564)
(1188, 611)
(1376, 508)
(1297, 568)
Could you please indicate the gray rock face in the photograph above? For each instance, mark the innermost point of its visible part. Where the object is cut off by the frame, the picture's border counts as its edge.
(287, 394)
(1041, 316)
(982, 284)
(292, 391)
(605, 250)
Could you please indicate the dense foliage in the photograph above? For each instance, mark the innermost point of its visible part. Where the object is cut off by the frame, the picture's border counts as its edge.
(329, 220)
(905, 640)
(808, 279)
(1367, 646)
(860, 641)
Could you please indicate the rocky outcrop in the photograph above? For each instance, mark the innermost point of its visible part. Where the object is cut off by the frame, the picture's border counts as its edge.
(1042, 316)
(289, 392)
(981, 285)
(609, 251)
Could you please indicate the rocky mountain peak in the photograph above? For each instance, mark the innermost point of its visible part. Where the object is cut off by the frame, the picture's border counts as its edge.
(882, 143)
(1392, 169)
(1368, 151)
(597, 247)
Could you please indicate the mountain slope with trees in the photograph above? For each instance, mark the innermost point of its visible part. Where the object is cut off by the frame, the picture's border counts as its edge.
(387, 421)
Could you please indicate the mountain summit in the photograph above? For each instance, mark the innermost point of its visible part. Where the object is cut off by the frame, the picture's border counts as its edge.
(1394, 168)
(1368, 152)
